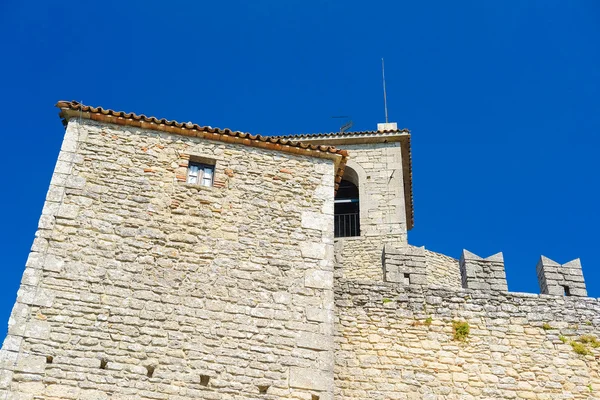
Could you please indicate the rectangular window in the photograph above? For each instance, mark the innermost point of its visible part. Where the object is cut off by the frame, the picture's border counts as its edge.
(200, 174)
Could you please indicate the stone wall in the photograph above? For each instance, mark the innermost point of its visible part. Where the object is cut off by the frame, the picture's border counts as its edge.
(405, 265)
(398, 342)
(360, 258)
(140, 286)
(442, 270)
(381, 188)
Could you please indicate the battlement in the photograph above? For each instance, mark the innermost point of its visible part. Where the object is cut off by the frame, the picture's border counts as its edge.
(483, 273)
(566, 279)
(411, 265)
(405, 265)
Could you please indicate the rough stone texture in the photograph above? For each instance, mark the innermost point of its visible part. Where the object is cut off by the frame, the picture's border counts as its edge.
(378, 167)
(442, 270)
(360, 258)
(483, 273)
(561, 279)
(405, 265)
(386, 348)
(133, 270)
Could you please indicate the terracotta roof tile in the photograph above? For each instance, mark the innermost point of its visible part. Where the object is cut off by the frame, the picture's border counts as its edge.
(206, 132)
(300, 136)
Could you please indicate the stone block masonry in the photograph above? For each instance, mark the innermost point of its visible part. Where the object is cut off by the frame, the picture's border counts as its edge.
(566, 279)
(395, 341)
(378, 167)
(483, 273)
(360, 258)
(140, 286)
(442, 270)
(405, 265)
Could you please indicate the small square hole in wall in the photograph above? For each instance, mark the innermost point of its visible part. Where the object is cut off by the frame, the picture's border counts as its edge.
(204, 379)
(49, 359)
(407, 279)
(262, 389)
(567, 291)
(314, 397)
(103, 363)
(201, 171)
(150, 369)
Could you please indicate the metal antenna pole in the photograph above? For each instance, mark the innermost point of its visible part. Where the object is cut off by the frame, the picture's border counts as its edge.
(384, 94)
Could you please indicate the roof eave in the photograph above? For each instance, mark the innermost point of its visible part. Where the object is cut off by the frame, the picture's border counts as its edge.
(76, 110)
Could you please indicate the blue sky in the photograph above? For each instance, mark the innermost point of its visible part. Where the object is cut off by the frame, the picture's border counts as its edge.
(502, 98)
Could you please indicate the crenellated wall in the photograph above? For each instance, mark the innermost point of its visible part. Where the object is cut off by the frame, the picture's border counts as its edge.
(396, 341)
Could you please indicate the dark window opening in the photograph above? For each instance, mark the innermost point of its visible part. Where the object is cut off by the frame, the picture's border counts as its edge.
(346, 210)
(407, 279)
(567, 290)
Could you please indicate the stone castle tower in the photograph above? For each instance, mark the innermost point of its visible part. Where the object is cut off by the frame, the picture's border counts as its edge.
(178, 261)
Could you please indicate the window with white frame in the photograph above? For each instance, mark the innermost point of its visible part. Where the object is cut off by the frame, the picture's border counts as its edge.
(200, 174)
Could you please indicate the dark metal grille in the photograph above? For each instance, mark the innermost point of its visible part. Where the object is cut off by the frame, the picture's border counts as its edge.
(347, 225)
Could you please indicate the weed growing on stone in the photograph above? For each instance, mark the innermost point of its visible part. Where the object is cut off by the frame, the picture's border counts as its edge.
(580, 348)
(385, 301)
(591, 340)
(589, 386)
(461, 330)
(588, 323)
(562, 339)
(428, 321)
(546, 326)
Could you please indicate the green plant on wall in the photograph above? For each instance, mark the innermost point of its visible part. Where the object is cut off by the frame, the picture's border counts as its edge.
(546, 326)
(563, 339)
(591, 340)
(580, 348)
(385, 301)
(461, 330)
(428, 321)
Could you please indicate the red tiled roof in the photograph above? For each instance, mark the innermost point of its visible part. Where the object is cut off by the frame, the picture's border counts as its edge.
(206, 132)
(300, 136)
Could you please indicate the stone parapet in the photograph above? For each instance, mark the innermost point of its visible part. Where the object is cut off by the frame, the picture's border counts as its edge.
(483, 273)
(405, 265)
(556, 279)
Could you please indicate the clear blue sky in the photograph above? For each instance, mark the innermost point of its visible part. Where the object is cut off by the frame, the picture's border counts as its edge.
(502, 98)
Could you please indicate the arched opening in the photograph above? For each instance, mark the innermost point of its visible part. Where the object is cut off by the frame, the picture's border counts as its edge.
(347, 206)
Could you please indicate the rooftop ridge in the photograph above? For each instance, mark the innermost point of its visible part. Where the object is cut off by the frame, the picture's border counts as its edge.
(351, 133)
